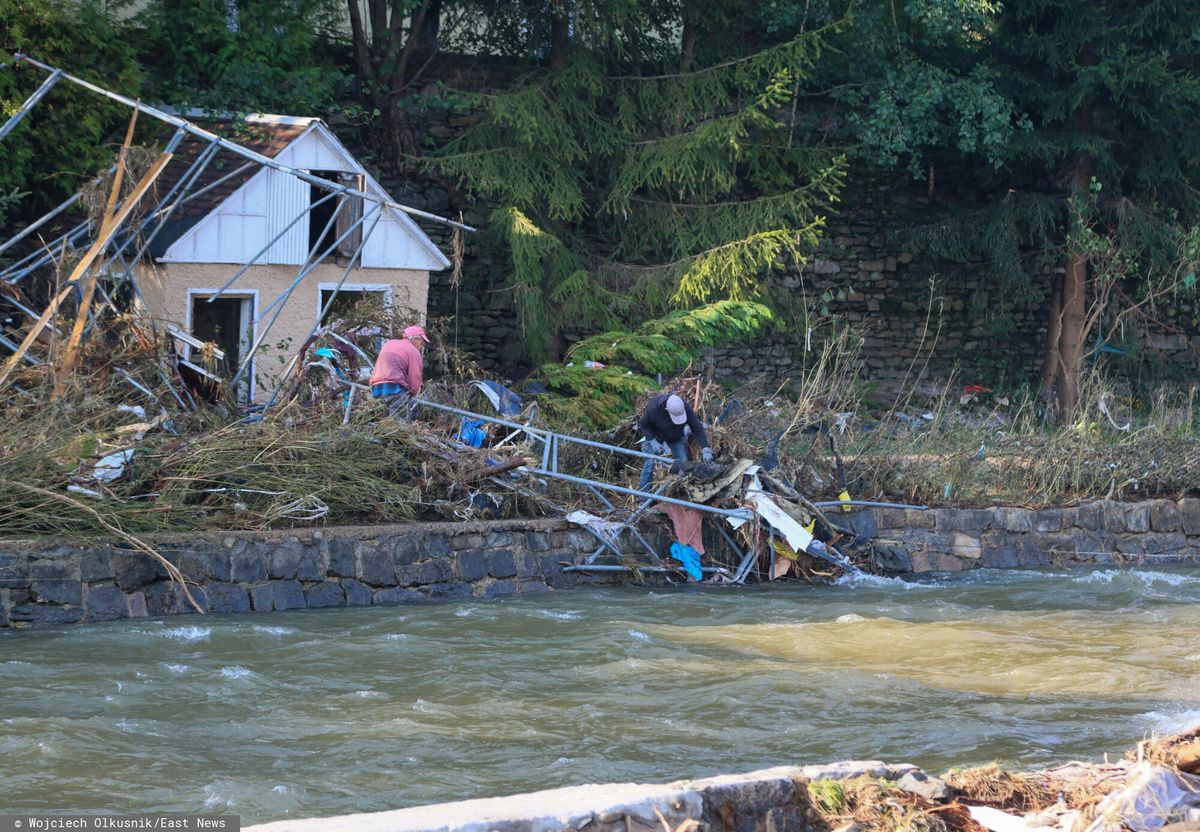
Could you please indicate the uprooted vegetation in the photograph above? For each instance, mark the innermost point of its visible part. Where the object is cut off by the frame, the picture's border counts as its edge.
(1154, 786)
(203, 464)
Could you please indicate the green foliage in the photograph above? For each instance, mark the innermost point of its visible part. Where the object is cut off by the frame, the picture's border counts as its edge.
(918, 107)
(673, 229)
(668, 344)
(541, 264)
(597, 398)
(734, 269)
(9, 202)
(64, 139)
(829, 795)
(590, 398)
(271, 59)
(625, 195)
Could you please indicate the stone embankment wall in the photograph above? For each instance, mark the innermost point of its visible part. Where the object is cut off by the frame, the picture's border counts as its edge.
(42, 583)
(48, 583)
(1104, 532)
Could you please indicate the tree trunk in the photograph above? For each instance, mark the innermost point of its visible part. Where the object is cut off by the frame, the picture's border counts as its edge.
(560, 33)
(1073, 311)
(1070, 344)
(687, 49)
(425, 41)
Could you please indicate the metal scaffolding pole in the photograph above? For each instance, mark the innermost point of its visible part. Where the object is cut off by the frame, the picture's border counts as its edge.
(267, 247)
(84, 225)
(182, 185)
(309, 263)
(243, 151)
(16, 117)
(321, 313)
(44, 255)
(45, 218)
(258, 342)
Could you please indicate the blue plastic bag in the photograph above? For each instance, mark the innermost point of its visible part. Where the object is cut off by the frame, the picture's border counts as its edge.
(690, 559)
(472, 433)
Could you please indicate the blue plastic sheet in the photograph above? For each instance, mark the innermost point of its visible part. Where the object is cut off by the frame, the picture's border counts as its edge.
(472, 433)
(690, 559)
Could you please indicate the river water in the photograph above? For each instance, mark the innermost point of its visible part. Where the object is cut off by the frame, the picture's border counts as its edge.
(319, 713)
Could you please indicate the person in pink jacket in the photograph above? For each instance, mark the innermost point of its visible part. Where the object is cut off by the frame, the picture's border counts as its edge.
(399, 372)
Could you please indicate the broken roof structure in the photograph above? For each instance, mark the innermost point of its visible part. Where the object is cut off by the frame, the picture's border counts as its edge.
(236, 241)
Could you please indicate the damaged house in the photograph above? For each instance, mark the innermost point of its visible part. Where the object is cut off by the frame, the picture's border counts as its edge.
(249, 233)
(273, 229)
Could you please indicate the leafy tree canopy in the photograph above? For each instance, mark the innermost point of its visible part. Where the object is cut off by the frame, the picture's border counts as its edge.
(65, 138)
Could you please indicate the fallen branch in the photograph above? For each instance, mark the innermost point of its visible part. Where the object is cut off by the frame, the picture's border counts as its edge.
(137, 543)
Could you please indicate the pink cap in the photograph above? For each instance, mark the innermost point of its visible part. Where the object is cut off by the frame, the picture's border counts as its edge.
(676, 410)
(416, 332)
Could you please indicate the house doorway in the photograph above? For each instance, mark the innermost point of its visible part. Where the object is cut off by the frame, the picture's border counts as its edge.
(228, 323)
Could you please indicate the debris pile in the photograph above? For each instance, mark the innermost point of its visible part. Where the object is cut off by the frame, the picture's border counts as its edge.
(1145, 793)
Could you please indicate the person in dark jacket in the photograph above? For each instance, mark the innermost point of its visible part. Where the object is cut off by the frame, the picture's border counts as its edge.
(666, 423)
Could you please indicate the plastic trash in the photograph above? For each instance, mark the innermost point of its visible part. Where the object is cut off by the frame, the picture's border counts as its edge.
(1152, 795)
(472, 433)
(112, 466)
(690, 559)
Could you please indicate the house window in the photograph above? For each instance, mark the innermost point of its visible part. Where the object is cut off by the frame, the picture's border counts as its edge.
(319, 238)
(349, 297)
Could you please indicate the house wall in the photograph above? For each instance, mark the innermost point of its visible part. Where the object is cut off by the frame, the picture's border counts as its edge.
(165, 289)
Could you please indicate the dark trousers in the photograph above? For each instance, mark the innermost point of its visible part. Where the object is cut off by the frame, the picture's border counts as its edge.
(679, 450)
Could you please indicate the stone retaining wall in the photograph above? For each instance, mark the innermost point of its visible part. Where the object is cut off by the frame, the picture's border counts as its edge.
(1106, 531)
(43, 583)
(48, 583)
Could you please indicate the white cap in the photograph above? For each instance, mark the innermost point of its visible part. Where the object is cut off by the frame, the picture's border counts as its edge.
(676, 410)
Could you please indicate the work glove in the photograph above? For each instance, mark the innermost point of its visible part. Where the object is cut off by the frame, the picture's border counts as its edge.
(706, 454)
(660, 448)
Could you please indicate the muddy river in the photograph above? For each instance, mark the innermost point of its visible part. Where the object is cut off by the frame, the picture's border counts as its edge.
(319, 713)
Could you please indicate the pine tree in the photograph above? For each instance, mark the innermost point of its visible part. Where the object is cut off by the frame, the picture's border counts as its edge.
(627, 188)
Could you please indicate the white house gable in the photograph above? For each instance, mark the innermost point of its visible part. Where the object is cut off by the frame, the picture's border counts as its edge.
(266, 205)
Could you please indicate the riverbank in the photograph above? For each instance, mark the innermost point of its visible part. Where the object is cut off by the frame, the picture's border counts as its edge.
(50, 582)
(1156, 788)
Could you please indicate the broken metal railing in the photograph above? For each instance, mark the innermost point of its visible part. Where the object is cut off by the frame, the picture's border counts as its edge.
(550, 468)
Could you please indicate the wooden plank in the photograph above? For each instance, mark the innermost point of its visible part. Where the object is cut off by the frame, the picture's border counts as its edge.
(80, 267)
(71, 353)
(33, 333)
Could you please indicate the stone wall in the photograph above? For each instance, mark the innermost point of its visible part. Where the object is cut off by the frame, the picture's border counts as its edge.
(48, 583)
(1103, 532)
(922, 318)
(44, 583)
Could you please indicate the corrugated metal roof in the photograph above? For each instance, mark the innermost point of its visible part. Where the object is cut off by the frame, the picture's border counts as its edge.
(265, 134)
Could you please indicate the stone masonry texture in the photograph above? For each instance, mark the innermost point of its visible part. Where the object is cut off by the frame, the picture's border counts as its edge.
(237, 572)
(43, 582)
(1101, 532)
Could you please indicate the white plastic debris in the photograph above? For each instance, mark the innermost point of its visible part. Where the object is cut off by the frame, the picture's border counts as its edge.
(1152, 795)
(765, 507)
(112, 466)
(134, 409)
(609, 530)
(998, 821)
(87, 492)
